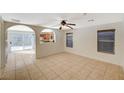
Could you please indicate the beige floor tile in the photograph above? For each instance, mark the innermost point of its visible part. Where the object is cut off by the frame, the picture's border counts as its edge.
(66, 75)
(58, 70)
(81, 75)
(22, 75)
(62, 66)
(111, 76)
(36, 75)
(0, 74)
(113, 68)
(121, 76)
(9, 75)
(51, 75)
(57, 78)
(101, 66)
(96, 74)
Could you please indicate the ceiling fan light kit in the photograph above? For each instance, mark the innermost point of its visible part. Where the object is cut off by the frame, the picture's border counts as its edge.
(64, 23)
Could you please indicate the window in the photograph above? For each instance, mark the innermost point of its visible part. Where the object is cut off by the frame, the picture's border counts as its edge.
(69, 40)
(21, 40)
(106, 41)
(47, 35)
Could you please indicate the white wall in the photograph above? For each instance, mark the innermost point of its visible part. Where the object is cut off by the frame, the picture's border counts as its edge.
(0, 45)
(122, 47)
(46, 49)
(85, 43)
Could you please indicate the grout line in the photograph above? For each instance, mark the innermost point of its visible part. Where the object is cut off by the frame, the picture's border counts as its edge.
(26, 68)
(41, 72)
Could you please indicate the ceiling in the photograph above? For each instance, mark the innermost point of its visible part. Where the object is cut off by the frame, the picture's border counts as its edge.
(20, 28)
(52, 20)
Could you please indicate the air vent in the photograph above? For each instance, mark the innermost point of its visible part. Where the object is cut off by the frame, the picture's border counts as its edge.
(15, 20)
(84, 14)
(91, 20)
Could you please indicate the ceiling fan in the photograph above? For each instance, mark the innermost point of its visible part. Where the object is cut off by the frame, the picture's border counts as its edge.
(64, 23)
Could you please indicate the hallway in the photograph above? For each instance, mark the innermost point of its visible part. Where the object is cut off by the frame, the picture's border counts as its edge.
(63, 66)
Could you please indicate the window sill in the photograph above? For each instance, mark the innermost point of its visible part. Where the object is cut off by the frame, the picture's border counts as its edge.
(106, 52)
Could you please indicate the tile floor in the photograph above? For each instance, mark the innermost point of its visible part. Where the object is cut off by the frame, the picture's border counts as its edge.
(63, 66)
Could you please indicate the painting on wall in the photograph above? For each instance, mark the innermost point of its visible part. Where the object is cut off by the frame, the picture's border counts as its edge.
(46, 37)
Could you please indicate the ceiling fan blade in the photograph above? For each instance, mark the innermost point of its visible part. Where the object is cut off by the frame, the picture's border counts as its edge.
(71, 24)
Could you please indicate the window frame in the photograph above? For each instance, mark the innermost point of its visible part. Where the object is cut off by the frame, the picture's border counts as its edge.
(106, 30)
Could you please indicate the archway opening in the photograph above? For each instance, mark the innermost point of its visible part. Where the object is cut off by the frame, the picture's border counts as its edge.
(47, 35)
(20, 38)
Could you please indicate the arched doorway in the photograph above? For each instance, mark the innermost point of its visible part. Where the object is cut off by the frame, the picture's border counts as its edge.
(5, 26)
(20, 38)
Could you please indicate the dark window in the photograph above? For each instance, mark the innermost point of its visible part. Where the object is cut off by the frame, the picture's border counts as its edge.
(106, 40)
(69, 40)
